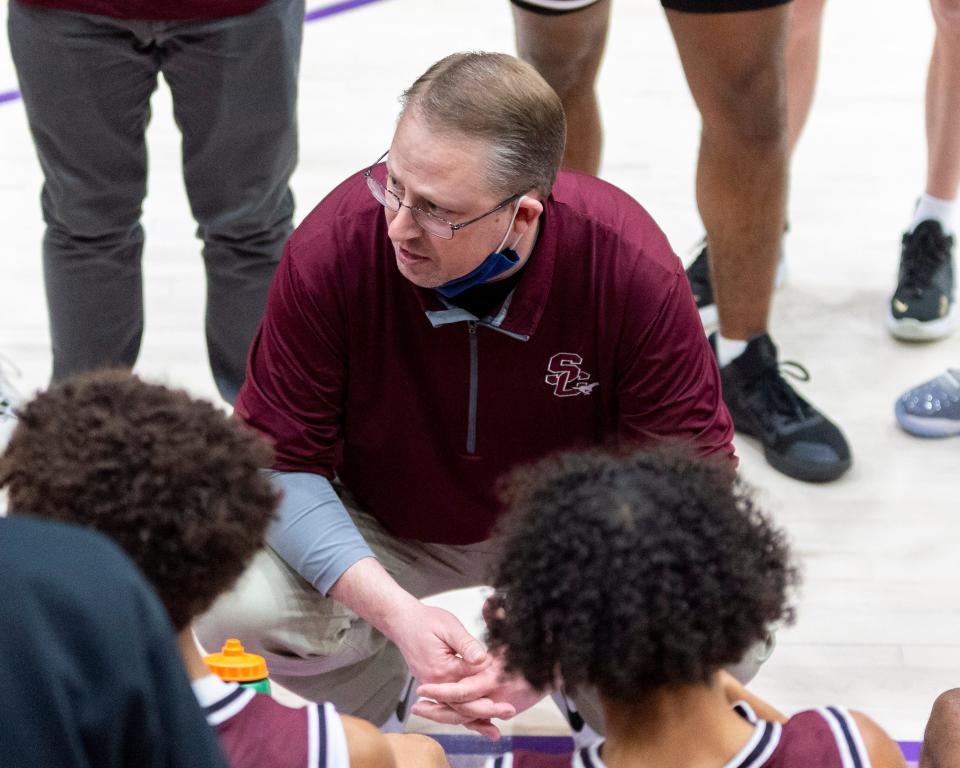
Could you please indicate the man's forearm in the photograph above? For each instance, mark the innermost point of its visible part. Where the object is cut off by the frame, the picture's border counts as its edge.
(369, 591)
(316, 536)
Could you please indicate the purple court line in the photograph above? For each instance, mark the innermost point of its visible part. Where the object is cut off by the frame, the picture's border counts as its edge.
(477, 745)
(910, 749)
(314, 15)
(331, 10)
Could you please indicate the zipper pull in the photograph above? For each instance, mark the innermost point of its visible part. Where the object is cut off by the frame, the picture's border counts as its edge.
(472, 327)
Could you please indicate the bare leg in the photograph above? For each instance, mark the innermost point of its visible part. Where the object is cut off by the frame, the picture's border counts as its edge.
(567, 50)
(734, 63)
(414, 750)
(941, 741)
(922, 307)
(803, 58)
(943, 103)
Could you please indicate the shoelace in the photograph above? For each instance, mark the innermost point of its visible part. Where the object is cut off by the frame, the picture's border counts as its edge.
(781, 395)
(924, 253)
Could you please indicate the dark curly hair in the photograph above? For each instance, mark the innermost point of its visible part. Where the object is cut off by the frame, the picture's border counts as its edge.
(634, 571)
(174, 481)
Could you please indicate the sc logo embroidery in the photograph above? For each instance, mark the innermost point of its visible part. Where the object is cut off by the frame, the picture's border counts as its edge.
(566, 376)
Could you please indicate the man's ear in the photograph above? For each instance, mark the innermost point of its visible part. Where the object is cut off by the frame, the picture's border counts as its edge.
(528, 212)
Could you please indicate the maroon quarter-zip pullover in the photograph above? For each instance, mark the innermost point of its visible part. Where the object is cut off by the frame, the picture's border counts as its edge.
(419, 408)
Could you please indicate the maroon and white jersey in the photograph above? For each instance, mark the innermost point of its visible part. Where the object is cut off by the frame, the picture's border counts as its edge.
(815, 738)
(257, 731)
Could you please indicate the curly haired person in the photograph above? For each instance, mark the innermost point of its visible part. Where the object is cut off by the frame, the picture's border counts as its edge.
(175, 482)
(643, 576)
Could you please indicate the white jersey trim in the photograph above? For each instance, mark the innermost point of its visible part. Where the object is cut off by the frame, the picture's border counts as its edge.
(589, 757)
(760, 729)
(313, 736)
(745, 711)
(841, 724)
(775, 730)
(338, 755)
(500, 761)
(211, 689)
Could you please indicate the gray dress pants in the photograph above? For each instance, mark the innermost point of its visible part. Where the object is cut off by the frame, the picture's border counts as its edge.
(86, 82)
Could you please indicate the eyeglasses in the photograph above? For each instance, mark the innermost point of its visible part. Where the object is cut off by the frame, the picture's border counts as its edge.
(429, 222)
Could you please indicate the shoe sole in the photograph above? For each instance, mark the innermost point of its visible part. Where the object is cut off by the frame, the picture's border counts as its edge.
(925, 426)
(910, 329)
(801, 470)
(805, 472)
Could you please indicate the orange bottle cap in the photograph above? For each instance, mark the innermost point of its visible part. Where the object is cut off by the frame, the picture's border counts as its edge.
(235, 665)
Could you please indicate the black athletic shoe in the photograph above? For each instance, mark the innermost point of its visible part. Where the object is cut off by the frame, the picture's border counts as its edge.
(923, 307)
(698, 275)
(797, 439)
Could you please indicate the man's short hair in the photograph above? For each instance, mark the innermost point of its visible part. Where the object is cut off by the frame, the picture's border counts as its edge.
(630, 572)
(503, 101)
(174, 481)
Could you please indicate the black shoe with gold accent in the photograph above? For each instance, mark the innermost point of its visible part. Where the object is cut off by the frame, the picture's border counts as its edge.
(923, 308)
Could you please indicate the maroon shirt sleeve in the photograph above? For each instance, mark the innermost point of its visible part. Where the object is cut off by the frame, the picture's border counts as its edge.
(294, 387)
(670, 383)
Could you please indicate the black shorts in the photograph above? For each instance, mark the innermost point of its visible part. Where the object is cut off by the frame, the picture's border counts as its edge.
(559, 7)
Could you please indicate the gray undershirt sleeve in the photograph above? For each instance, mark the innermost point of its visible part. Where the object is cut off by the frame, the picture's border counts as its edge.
(313, 531)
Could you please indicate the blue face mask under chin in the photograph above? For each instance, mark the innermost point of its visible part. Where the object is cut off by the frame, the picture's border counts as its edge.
(494, 265)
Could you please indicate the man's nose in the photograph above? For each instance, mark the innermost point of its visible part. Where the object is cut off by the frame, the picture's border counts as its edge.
(403, 226)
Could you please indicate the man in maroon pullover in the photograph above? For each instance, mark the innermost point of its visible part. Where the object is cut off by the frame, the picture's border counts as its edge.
(451, 312)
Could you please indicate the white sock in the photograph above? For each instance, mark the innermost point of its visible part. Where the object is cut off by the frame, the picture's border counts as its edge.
(929, 207)
(729, 349)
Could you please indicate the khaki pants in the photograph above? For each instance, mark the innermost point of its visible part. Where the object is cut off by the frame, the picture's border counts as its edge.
(320, 649)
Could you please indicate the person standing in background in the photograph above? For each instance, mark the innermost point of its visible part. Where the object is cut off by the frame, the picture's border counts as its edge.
(87, 69)
(733, 53)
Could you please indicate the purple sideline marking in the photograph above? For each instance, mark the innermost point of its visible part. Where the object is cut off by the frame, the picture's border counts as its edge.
(478, 745)
(330, 10)
(317, 13)
(555, 745)
(910, 749)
